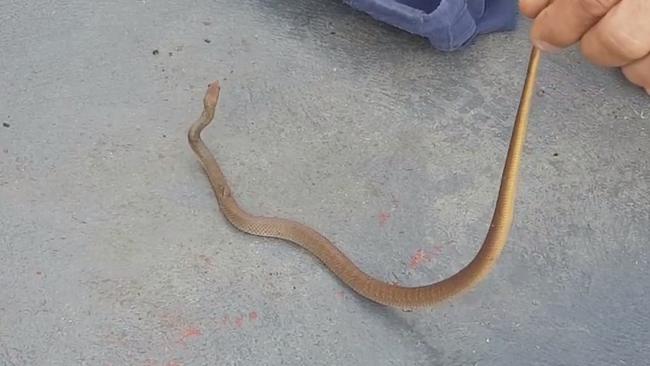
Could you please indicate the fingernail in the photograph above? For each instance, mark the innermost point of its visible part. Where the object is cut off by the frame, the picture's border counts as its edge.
(546, 47)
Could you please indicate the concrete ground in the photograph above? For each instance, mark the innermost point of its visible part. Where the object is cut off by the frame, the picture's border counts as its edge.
(113, 251)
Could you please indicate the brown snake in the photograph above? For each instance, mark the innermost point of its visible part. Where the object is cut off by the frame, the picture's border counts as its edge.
(367, 286)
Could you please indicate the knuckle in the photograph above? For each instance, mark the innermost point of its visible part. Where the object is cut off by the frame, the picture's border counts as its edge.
(626, 44)
(596, 8)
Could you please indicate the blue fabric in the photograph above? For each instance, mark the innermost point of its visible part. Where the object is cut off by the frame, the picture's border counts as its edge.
(447, 24)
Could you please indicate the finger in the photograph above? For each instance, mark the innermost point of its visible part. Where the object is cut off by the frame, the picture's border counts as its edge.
(638, 73)
(564, 22)
(532, 8)
(620, 37)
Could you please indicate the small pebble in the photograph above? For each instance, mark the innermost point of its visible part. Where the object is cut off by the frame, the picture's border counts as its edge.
(207, 40)
(155, 52)
(5, 124)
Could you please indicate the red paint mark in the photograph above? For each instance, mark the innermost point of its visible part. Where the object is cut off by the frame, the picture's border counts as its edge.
(383, 217)
(252, 316)
(422, 256)
(239, 321)
(419, 257)
(190, 332)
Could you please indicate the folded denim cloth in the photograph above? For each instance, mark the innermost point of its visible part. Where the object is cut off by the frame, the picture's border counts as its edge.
(447, 24)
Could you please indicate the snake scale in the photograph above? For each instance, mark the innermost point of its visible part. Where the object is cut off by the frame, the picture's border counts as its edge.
(367, 286)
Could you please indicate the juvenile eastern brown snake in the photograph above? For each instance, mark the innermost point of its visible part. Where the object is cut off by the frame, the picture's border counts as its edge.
(367, 286)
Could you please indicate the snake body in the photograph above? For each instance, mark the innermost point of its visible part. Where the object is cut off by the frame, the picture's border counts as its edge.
(367, 286)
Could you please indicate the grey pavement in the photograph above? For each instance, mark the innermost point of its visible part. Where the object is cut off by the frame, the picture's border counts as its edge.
(113, 251)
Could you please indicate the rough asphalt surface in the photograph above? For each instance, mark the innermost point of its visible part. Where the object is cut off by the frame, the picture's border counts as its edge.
(113, 252)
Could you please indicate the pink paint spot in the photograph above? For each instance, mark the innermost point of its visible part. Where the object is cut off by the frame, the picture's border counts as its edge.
(383, 217)
(239, 321)
(173, 363)
(419, 257)
(190, 332)
(252, 316)
(340, 295)
(422, 256)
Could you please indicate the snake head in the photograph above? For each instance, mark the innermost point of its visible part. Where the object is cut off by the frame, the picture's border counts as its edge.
(212, 95)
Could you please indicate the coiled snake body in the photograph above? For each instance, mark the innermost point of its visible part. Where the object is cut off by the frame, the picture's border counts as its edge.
(365, 285)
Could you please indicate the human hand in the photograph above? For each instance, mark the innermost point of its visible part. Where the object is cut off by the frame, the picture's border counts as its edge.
(612, 33)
